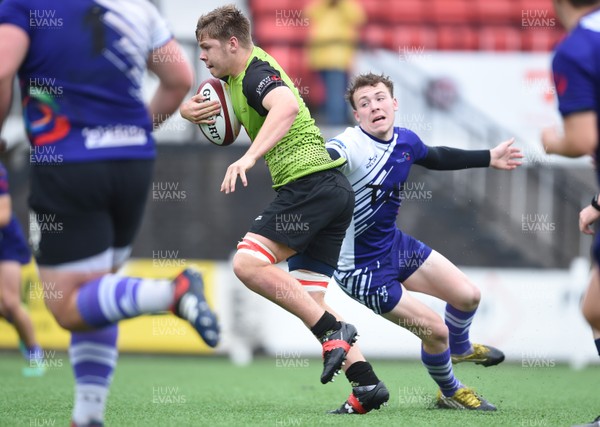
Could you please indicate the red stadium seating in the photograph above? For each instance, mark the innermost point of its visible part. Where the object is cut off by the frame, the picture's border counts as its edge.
(409, 39)
(456, 37)
(502, 25)
(450, 11)
(280, 30)
(497, 12)
(374, 35)
(502, 38)
(259, 7)
(376, 10)
(405, 11)
(541, 39)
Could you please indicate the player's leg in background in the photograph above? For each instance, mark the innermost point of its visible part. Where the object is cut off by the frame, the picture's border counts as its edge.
(416, 317)
(591, 306)
(253, 264)
(419, 319)
(437, 276)
(13, 311)
(76, 265)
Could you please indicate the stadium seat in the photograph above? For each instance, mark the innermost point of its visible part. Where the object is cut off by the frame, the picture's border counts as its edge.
(450, 11)
(409, 40)
(373, 36)
(268, 7)
(375, 10)
(502, 38)
(541, 39)
(405, 11)
(270, 30)
(457, 37)
(497, 12)
(537, 13)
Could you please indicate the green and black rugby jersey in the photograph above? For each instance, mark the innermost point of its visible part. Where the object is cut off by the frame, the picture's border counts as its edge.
(302, 150)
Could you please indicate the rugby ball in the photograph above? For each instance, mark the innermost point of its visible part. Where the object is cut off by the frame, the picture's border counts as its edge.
(226, 127)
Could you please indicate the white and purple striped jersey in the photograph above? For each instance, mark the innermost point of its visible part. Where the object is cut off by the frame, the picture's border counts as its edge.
(377, 171)
(81, 81)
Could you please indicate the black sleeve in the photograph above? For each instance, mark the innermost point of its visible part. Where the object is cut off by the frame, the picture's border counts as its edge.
(447, 158)
(334, 154)
(260, 79)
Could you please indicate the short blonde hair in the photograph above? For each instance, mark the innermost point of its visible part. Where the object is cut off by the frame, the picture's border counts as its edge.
(223, 23)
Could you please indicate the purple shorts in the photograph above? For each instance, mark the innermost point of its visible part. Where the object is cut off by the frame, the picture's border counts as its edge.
(379, 286)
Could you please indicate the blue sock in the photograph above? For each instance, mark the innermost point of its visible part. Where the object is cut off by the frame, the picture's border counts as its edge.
(33, 353)
(458, 323)
(110, 298)
(439, 367)
(93, 356)
(597, 342)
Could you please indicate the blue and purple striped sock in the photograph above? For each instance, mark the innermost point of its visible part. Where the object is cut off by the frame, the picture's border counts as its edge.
(93, 357)
(110, 298)
(458, 323)
(439, 367)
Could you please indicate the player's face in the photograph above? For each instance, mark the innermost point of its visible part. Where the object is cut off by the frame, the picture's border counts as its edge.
(216, 57)
(375, 110)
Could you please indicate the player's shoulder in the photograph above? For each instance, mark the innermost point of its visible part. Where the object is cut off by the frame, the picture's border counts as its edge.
(348, 139)
(261, 71)
(581, 43)
(261, 60)
(407, 136)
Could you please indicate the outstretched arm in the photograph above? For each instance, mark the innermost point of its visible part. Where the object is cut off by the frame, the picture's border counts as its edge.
(502, 156)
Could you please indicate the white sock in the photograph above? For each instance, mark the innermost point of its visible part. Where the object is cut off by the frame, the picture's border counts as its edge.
(90, 402)
(155, 295)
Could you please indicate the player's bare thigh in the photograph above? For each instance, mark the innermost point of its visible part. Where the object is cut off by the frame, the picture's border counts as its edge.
(438, 277)
(244, 264)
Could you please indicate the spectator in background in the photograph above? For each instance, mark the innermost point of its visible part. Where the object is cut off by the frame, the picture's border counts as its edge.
(14, 253)
(333, 36)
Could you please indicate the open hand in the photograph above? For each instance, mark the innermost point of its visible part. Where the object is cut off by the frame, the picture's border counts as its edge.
(504, 156)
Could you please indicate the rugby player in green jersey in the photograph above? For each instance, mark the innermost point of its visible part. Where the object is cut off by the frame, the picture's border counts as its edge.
(306, 222)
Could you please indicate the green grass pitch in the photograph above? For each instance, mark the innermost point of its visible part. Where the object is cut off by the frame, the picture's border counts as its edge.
(206, 391)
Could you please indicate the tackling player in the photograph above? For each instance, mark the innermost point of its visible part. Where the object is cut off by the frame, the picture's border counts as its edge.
(577, 80)
(378, 261)
(81, 69)
(295, 226)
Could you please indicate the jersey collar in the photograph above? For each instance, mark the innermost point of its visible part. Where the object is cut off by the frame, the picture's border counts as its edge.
(381, 141)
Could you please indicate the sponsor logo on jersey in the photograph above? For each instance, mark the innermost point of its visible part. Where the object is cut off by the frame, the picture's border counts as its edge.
(266, 82)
